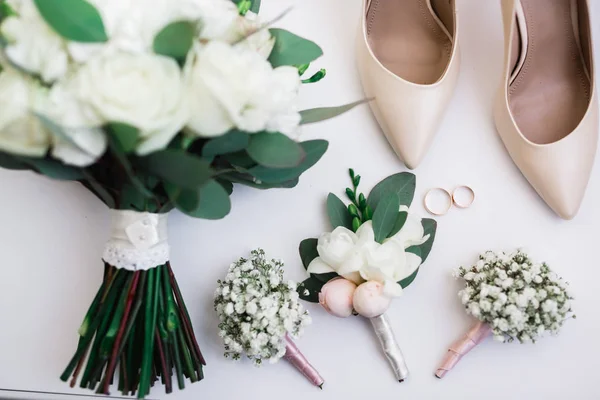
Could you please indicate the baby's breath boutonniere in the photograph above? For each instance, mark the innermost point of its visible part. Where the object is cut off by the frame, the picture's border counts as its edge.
(513, 298)
(259, 314)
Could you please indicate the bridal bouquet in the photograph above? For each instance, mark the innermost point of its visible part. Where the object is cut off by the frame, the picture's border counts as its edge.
(373, 253)
(512, 297)
(151, 107)
(259, 314)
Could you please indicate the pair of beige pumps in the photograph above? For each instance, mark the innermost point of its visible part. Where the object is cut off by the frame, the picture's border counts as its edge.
(546, 110)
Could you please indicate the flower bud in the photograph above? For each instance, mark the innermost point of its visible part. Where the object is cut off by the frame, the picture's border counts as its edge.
(336, 297)
(369, 299)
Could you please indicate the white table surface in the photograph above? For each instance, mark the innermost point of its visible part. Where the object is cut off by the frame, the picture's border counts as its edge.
(52, 235)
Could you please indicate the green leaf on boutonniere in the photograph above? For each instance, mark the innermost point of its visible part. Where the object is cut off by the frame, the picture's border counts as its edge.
(275, 150)
(430, 228)
(314, 150)
(338, 213)
(175, 40)
(325, 277)
(385, 215)
(402, 184)
(309, 289)
(400, 221)
(291, 49)
(124, 135)
(75, 20)
(211, 201)
(254, 5)
(308, 251)
(409, 279)
(178, 167)
(240, 159)
(230, 142)
(321, 114)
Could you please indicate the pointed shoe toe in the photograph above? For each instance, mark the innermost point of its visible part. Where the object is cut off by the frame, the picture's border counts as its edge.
(408, 127)
(408, 61)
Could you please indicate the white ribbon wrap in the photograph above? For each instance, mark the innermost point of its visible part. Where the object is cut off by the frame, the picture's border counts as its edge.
(138, 240)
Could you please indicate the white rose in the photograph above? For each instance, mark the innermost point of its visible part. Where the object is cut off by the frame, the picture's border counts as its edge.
(20, 131)
(145, 91)
(357, 257)
(33, 45)
(412, 233)
(247, 33)
(233, 87)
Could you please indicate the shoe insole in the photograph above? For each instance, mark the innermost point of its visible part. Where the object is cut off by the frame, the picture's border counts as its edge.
(551, 91)
(408, 40)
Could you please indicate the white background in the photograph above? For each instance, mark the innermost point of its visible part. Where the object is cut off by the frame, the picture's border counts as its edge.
(52, 235)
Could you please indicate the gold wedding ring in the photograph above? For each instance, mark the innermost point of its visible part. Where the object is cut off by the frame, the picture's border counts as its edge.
(459, 189)
(440, 212)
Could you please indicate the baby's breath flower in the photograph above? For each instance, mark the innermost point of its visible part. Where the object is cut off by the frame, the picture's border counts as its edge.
(516, 297)
(257, 308)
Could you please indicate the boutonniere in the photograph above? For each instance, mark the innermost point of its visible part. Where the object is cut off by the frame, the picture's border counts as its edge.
(511, 297)
(373, 253)
(259, 314)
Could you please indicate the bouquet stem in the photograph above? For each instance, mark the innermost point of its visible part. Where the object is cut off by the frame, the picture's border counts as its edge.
(297, 359)
(139, 324)
(472, 338)
(383, 330)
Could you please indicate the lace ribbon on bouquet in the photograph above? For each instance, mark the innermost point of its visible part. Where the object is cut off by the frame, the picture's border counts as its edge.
(138, 240)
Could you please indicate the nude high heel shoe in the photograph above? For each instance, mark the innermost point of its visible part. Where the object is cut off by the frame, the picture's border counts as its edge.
(546, 110)
(408, 60)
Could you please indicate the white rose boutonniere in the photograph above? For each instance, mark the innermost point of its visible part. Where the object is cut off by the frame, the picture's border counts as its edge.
(373, 253)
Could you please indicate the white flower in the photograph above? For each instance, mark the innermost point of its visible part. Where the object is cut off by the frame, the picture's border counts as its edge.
(550, 306)
(233, 87)
(21, 132)
(246, 32)
(229, 308)
(33, 45)
(145, 91)
(359, 258)
(474, 309)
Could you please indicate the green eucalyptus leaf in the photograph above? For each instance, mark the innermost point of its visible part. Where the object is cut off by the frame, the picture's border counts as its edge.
(227, 185)
(338, 213)
(185, 200)
(402, 184)
(400, 221)
(309, 289)
(308, 251)
(251, 181)
(214, 201)
(75, 20)
(175, 40)
(211, 201)
(275, 150)
(430, 228)
(385, 215)
(178, 167)
(321, 114)
(55, 169)
(9, 161)
(230, 142)
(314, 150)
(291, 49)
(240, 159)
(409, 279)
(125, 136)
(255, 6)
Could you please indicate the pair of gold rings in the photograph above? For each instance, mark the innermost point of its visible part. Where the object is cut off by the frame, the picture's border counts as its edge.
(452, 199)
